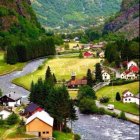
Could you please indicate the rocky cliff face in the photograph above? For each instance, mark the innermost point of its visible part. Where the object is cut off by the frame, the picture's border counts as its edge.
(11, 10)
(127, 21)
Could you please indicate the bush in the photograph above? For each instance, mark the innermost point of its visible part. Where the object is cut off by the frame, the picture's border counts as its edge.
(122, 116)
(77, 137)
(101, 111)
(87, 106)
(2, 122)
(66, 130)
(12, 119)
(104, 99)
(40, 67)
(118, 97)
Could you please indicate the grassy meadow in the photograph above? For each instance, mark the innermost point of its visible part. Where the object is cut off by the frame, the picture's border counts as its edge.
(6, 68)
(61, 67)
(110, 91)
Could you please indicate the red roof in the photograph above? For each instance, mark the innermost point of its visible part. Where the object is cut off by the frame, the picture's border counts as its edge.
(87, 54)
(77, 82)
(134, 69)
(127, 71)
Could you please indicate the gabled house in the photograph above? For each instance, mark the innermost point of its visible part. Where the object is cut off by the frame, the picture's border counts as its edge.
(137, 99)
(131, 63)
(31, 109)
(87, 54)
(102, 54)
(105, 76)
(12, 99)
(128, 97)
(40, 124)
(128, 75)
(75, 83)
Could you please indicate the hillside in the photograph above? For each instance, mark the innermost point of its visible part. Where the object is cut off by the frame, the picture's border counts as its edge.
(17, 22)
(127, 20)
(74, 13)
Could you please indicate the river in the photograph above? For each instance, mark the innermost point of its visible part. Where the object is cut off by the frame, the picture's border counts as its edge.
(90, 127)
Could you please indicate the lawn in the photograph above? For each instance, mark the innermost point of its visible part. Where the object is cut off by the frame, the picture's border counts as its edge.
(73, 94)
(6, 68)
(110, 91)
(61, 67)
(63, 136)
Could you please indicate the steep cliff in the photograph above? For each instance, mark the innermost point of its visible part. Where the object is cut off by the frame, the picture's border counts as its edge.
(127, 20)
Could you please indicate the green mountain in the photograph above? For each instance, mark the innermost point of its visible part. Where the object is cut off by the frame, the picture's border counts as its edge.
(65, 13)
(126, 21)
(17, 22)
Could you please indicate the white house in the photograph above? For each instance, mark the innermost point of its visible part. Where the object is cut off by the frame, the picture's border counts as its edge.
(128, 75)
(4, 114)
(12, 99)
(131, 63)
(102, 54)
(137, 99)
(128, 97)
(105, 76)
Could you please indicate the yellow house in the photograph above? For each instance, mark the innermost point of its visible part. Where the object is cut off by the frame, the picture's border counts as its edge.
(40, 124)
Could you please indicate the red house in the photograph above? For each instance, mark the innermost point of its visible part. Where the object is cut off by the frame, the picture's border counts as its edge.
(87, 54)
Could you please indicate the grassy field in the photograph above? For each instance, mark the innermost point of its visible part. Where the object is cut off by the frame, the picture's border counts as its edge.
(63, 136)
(110, 91)
(6, 68)
(61, 67)
(73, 94)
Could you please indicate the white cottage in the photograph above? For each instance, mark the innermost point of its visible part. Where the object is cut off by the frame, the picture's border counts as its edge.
(131, 63)
(137, 99)
(105, 76)
(128, 97)
(128, 75)
(12, 99)
(4, 114)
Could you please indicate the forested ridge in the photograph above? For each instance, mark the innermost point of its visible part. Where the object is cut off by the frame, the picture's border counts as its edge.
(75, 13)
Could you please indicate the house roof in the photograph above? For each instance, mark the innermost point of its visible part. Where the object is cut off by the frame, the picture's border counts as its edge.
(77, 82)
(43, 116)
(13, 96)
(31, 107)
(134, 69)
(87, 54)
(125, 92)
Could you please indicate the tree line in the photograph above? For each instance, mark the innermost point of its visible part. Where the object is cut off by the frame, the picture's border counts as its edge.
(54, 99)
(122, 50)
(23, 52)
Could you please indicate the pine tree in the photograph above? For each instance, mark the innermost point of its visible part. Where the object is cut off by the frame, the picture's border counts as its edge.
(32, 92)
(54, 78)
(89, 78)
(118, 97)
(48, 73)
(98, 73)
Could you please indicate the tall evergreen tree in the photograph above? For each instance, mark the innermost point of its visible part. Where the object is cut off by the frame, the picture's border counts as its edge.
(54, 78)
(98, 73)
(118, 97)
(89, 78)
(48, 73)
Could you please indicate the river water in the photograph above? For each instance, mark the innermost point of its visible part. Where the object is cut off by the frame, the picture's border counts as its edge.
(90, 127)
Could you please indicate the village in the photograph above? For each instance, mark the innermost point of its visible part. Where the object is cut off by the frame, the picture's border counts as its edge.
(39, 123)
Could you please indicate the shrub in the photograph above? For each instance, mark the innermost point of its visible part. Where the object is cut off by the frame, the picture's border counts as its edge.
(77, 137)
(2, 122)
(66, 130)
(40, 67)
(12, 119)
(118, 97)
(104, 99)
(87, 106)
(101, 111)
(122, 116)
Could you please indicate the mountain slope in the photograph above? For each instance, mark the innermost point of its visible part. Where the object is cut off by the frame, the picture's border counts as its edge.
(127, 21)
(18, 23)
(73, 12)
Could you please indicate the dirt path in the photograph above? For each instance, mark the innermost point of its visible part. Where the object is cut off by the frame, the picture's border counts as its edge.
(7, 132)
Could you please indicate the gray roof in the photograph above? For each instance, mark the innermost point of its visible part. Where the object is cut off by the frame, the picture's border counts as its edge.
(14, 96)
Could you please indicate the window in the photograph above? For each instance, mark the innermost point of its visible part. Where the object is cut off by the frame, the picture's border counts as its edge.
(129, 99)
(125, 99)
(47, 132)
(43, 132)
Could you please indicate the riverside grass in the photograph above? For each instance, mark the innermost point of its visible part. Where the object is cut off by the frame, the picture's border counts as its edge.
(61, 67)
(6, 68)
